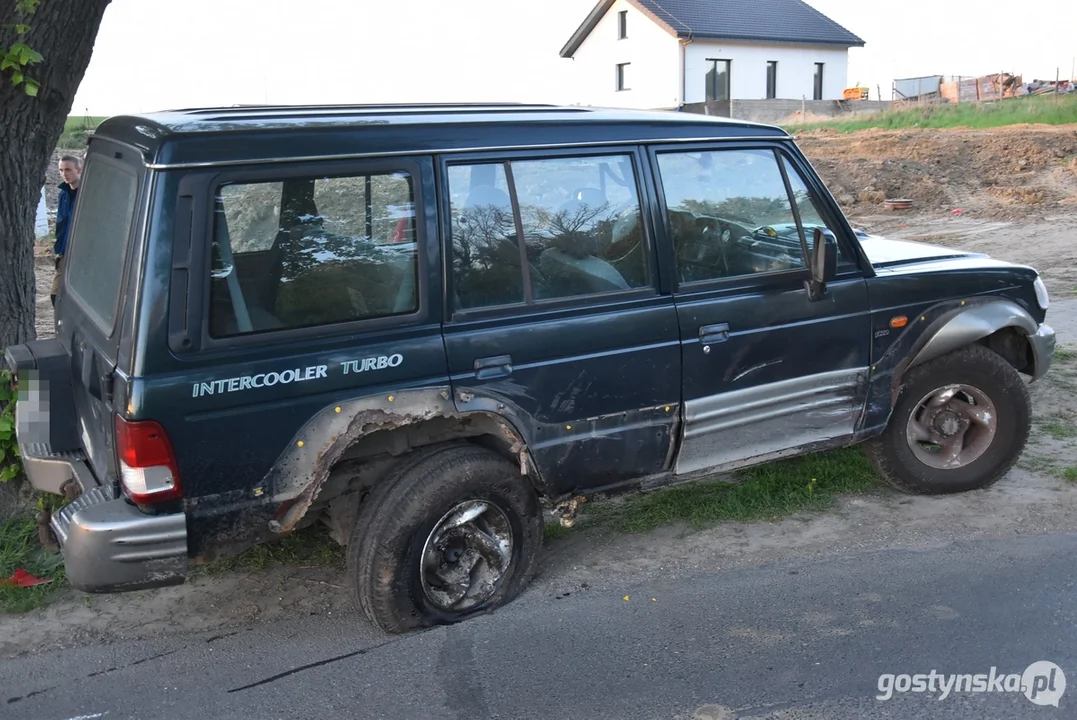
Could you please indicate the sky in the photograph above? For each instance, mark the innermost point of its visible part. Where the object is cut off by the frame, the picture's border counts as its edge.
(161, 54)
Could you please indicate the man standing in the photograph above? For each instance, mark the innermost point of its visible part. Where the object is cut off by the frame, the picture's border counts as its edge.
(70, 171)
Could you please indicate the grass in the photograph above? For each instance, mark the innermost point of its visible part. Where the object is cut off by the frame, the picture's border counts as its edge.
(1038, 109)
(310, 546)
(1060, 428)
(76, 130)
(555, 531)
(1065, 354)
(1070, 473)
(766, 492)
(19, 548)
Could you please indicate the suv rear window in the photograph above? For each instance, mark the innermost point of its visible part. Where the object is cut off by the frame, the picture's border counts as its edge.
(106, 208)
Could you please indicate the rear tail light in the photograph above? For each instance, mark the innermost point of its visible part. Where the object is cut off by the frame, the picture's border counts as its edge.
(148, 470)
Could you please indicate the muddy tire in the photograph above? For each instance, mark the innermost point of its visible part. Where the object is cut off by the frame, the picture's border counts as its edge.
(960, 423)
(451, 534)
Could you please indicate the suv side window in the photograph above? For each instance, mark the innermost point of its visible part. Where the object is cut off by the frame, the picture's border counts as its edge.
(810, 217)
(730, 213)
(312, 251)
(579, 218)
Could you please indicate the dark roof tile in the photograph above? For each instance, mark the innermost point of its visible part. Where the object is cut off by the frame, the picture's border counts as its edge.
(760, 20)
(778, 21)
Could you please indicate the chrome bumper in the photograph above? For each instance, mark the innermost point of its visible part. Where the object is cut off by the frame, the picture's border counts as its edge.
(1043, 349)
(53, 472)
(109, 545)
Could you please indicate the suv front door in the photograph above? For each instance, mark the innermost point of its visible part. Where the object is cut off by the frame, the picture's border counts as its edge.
(766, 369)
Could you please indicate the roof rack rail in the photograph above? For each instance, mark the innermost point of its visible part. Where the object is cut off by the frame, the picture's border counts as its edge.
(360, 106)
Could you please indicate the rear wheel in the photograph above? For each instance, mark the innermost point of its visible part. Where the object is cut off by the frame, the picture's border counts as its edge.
(450, 535)
(960, 423)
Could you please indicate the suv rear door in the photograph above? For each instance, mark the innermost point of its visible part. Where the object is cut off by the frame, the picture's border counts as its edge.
(556, 319)
(91, 308)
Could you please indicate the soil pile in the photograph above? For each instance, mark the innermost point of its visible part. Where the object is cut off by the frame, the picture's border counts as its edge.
(1002, 173)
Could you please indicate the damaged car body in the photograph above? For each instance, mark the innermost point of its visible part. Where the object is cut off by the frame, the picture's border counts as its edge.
(418, 325)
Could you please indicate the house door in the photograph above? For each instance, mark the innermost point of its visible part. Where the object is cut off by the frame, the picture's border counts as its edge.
(719, 88)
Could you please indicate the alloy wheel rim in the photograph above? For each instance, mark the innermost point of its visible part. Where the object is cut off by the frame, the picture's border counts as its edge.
(466, 555)
(952, 426)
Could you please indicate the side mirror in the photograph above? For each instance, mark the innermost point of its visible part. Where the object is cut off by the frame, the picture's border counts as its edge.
(824, 262)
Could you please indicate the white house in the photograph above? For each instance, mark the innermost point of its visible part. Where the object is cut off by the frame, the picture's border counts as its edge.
(652, 54)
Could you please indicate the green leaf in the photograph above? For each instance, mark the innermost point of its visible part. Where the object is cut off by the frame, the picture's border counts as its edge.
(5, 422)
(16, 77)
(8, 62)
(26, 55)
(22, 29)
(31, 87)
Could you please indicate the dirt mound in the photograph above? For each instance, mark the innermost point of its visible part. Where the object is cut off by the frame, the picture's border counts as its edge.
(1004, 172)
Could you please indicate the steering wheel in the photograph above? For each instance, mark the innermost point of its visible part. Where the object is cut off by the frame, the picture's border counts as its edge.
(718, 232)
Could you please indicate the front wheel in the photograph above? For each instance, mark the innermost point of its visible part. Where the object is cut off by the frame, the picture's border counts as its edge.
(451, 534)
(960, 423)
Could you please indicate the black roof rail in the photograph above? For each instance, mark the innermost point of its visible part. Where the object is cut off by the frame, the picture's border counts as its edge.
(364, 107)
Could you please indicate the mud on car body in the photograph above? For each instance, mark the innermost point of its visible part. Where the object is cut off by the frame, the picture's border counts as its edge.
(421, 324)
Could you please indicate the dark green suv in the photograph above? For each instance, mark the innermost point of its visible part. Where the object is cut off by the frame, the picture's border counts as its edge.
(421, 324)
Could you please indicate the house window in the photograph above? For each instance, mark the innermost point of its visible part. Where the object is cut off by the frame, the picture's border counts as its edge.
(622, 25)
(818, 81)
(622, 77)
(718, 80)
(772, 79)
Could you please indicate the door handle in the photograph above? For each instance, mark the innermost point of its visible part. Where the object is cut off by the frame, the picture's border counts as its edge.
(710, 334)
(493, 367)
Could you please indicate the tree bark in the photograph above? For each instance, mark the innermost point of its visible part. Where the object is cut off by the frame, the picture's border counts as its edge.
(63, 31)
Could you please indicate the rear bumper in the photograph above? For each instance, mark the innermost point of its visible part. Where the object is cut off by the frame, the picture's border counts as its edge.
(109, 545)
(1043, 349)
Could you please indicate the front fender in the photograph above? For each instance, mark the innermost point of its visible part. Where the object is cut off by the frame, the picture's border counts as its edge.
(941, 329)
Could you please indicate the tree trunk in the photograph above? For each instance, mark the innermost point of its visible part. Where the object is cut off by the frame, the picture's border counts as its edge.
(63, 31)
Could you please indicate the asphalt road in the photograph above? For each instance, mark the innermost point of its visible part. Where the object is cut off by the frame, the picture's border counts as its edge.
(781, 641)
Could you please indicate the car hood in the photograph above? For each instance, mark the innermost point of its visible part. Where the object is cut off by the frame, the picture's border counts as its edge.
(885, 252)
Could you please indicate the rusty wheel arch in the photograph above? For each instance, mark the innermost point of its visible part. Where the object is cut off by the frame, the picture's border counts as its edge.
(395, 424)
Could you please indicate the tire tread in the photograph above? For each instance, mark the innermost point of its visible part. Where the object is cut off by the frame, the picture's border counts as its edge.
(405, 496)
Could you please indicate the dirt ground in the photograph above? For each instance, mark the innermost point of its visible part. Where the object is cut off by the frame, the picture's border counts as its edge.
(1009, 192)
